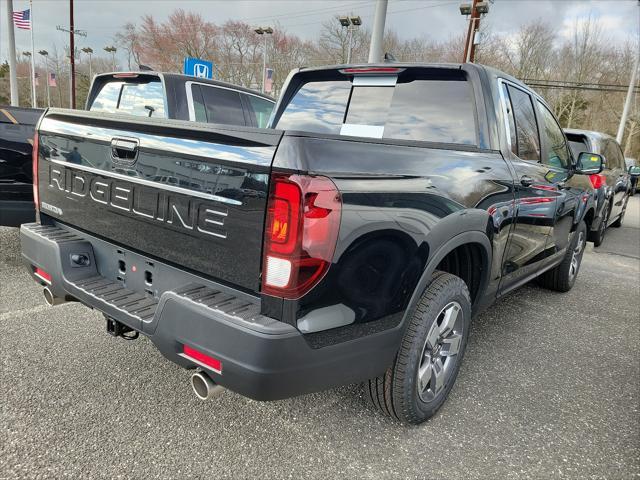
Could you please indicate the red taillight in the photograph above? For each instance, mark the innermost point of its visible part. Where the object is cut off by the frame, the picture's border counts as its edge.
(202, 358)
(42, 275)
(597, 180)
(303, 218)
(34, 171)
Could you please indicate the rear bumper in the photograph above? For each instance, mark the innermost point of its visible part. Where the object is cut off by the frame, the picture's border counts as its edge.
(14, 213)
(262, 358)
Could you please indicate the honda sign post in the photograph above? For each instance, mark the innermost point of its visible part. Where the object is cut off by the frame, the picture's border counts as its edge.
(196, 67)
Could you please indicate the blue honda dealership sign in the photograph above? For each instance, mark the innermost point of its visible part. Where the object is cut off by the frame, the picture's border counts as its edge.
(197, 67)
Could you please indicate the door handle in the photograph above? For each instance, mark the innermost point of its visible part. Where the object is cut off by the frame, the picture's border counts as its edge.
(526, 181)
(124, 149)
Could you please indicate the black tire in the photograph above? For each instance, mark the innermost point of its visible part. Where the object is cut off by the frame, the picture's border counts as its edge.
(598, 235)
(563, 277)
(424, 348)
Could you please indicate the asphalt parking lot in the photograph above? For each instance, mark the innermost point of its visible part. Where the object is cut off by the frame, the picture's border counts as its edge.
(550, 388)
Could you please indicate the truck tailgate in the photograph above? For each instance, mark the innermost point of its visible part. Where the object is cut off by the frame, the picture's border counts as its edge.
(189, 194)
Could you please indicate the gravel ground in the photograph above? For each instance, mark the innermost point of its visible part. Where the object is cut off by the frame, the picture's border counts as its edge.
(550, 388)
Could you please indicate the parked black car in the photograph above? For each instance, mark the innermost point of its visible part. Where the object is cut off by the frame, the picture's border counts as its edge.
(613, 184)
(351, 242)
(149, 94)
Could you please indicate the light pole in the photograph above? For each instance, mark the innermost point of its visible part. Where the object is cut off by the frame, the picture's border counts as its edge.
(33, 80)
(264, 31)
(89, 51)
(45, 54)
(112, 50)
(477, 9)
(350, 23)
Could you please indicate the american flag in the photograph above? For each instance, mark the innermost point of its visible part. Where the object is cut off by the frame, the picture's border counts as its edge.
(52, 80)
(268, 82)
(23, 19)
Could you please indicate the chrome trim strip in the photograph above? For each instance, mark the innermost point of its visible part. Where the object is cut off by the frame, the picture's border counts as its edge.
(149, 183)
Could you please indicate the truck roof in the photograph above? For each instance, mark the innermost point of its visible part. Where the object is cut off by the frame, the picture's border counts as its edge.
(186, 78)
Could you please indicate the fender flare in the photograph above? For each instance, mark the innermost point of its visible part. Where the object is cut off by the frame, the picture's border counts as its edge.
(474, 236)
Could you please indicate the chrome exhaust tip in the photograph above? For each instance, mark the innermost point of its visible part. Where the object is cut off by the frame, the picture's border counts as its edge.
(51, 299)
(204, 387)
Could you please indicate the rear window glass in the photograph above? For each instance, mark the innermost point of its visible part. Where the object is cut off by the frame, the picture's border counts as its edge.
(144, 99)
(317, 107)
(577, 145)
(424, 110)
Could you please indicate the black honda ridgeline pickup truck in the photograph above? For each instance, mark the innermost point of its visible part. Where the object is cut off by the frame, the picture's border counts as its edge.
(351, 242)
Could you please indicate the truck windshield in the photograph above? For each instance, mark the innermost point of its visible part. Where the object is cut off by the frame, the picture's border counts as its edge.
(434, 110)
(135, 98)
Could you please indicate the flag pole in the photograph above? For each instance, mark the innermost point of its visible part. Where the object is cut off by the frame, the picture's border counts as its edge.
(34, 101)
(13, 77)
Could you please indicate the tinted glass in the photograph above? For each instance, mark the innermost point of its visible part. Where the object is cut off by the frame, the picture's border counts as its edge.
(526, 127)
(107, 98)
(577, 145)
(613, 155)
(198, 104)
(142, 99)
(557, 151)
(222, 105)
(426, 110)
(513, 139)
(317, 107)
(433, 111)
(135, 98)
(369, 105)
(261, 109)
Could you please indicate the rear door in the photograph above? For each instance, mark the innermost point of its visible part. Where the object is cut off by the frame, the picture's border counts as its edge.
(617, 176)
(535, 192)
(188, 194)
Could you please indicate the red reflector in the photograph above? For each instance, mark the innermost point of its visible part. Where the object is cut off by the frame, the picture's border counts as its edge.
(371, 70)
(211, 362)
(34, 170)
(42, 274)
(597, 180)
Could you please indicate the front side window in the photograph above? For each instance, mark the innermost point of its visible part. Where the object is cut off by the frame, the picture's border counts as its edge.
(557, 151)
(528, 141)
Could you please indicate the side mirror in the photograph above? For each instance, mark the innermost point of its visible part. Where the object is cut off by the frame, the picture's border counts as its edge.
(589, 163)
(635, 171)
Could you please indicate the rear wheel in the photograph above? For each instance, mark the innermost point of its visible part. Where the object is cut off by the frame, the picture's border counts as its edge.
(417, 384)
(563, 277)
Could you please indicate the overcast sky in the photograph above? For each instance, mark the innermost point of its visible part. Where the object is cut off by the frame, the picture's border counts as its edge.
(434, 19)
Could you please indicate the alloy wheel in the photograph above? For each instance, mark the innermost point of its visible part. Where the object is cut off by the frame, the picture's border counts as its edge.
(576, 256)
(440, 351)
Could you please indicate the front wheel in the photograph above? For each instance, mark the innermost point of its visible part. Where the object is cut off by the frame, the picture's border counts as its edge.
(425, 369)
(563, 277)
(598, 236)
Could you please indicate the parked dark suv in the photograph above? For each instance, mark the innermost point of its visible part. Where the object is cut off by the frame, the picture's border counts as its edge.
(612, 185)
